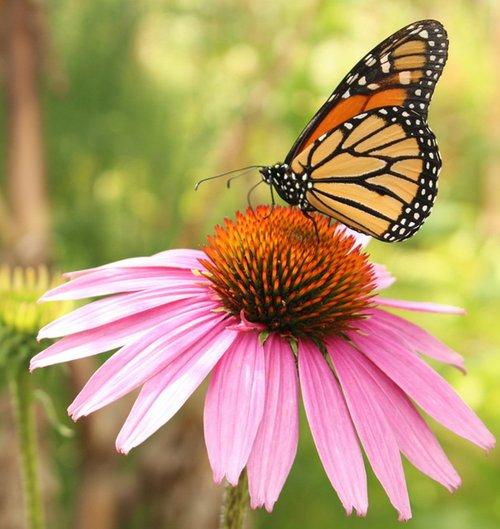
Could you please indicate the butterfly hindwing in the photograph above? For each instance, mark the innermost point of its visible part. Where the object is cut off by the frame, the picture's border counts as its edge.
(376, 173)
(401, 71)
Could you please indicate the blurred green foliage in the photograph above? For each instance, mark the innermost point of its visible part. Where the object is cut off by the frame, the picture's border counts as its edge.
(143, 97)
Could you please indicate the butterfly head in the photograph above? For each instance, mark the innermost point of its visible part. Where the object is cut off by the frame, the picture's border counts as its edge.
(291, 187)
(273, 173)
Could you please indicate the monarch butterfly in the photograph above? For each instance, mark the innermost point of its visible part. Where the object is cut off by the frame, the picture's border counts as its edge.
(368, 158)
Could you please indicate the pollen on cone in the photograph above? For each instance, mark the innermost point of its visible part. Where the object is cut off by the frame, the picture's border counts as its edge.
(294, 275)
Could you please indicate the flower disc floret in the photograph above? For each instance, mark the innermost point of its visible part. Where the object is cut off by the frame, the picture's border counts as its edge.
(294, 275)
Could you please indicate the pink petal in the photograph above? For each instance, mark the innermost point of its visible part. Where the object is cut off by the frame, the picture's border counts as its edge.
(372, 425)
(111, 281)
(179, 258)
(415, 338)
(163, 394)
(234, 406)
(275, 446)
(115, 308)
(412, 434)
(421, 383)
(332, 429)
(134, 363)
(360, 239)
(418, 306)
(109, 336)
(383, 278)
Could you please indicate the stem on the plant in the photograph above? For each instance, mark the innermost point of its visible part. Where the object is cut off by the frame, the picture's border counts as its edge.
(22, 399)
(235, 504)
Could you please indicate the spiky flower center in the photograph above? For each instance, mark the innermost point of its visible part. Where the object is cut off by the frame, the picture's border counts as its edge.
(272, 265)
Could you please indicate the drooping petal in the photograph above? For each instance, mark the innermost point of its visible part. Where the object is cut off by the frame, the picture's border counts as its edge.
(134, 363)
(186, 259)
(234, 406)
(112, 281)
(415, 337)
(383, 278)
(418, 306)
(422, 384)
(372, 426)
(332, 429)
(115, 308)
(412, 434)
(109, 336)
(360, 239)
(275, 445)
(163, 394)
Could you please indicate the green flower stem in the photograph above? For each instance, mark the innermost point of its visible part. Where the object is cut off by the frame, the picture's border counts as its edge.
(22, 399)
(235, 504)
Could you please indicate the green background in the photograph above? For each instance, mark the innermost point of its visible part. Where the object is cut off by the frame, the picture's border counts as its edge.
(144, 97)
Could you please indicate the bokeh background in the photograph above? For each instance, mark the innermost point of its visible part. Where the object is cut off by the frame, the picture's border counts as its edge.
(111, 111)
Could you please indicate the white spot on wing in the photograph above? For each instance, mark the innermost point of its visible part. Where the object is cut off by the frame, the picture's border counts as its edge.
(405, 77)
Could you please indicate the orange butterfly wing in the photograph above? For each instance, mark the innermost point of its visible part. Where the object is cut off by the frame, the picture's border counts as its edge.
(401, 71)
(377, 172)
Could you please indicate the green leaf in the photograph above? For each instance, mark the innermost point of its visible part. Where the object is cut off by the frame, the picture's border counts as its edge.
(50, 411)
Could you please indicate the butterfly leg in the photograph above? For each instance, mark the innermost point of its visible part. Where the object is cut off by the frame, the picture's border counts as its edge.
(273, 202)
(313, 220)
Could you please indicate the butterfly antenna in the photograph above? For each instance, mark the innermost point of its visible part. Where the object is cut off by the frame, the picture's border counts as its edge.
(250, 191)
(241, 170)
(243, 173)
(273, 202)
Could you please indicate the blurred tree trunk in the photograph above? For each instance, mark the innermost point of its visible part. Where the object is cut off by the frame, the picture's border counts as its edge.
(491, 217)
(29, 234)
(24, 226)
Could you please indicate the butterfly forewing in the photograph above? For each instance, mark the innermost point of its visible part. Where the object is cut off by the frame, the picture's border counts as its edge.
(401, 71)
(377, 172)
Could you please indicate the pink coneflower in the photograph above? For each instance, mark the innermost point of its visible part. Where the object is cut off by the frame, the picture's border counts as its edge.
(267, 307)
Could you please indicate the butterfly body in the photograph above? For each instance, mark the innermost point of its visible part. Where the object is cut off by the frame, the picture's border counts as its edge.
(368, 158)
(290, 186)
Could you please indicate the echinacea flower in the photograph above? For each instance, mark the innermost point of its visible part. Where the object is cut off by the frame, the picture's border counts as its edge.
(20, 315)
(20, 319)
(271, 304)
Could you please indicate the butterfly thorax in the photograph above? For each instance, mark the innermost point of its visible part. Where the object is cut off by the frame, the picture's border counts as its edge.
(289, 185)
